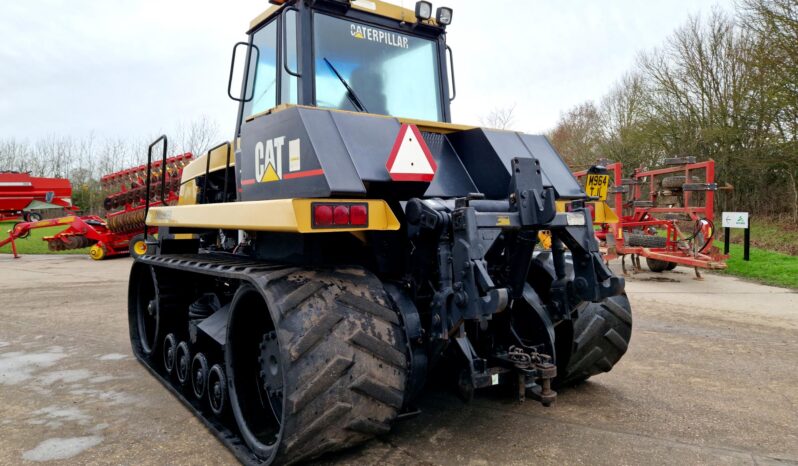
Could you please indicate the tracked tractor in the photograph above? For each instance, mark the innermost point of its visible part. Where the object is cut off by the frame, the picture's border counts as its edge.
(350, 240)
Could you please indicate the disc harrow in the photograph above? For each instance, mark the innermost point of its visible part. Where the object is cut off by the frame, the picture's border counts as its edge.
(125, 203)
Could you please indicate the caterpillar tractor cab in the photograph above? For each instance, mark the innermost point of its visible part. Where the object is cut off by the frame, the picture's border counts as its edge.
(349, 240)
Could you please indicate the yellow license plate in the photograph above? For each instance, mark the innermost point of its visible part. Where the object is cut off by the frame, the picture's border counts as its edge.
(597, 186)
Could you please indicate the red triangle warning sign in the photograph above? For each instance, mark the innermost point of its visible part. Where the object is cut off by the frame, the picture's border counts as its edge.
(410, 158)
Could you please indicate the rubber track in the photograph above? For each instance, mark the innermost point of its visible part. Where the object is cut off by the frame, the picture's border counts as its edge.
(344, 354)
(601, 337)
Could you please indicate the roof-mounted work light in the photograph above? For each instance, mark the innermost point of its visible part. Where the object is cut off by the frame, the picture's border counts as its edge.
(444, 16)
(423, 10)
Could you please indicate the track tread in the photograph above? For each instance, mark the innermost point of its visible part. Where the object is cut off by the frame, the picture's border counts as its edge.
(617, 340)
(378, 349)
(360, 304)
(339, 336)
(368, 385)
(369, 427)
(622, 313)
(321, 383)
(298, 296)
(601, 337)
(590, 332)
(306, 342)
(322, 422)
(343, 355)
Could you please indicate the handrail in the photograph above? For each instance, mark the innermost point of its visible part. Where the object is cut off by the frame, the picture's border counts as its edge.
(149, 177)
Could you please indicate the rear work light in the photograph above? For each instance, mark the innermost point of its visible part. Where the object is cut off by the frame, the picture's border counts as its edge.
(340, 214)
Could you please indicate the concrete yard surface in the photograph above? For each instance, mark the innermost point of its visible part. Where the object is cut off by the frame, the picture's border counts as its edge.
(711, 377)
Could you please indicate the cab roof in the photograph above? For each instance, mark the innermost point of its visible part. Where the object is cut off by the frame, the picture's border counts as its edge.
(375, 7)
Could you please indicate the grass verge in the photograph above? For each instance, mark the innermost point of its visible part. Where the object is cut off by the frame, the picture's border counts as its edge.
(34, 244)
(768, 267)
(770, 234)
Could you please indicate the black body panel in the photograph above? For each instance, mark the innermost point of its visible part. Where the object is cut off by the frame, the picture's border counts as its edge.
(323, 153)
(487, 154)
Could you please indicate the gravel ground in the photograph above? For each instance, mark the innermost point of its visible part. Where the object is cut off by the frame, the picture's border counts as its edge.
(710, 377)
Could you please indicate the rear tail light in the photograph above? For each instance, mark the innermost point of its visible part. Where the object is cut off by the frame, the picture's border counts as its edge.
(322, 215)
(339, 215)
(359, 215)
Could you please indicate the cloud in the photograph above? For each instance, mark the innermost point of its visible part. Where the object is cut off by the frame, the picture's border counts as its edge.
(130, 68)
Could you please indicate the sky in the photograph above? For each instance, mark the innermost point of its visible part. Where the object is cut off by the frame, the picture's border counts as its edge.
(132, 68)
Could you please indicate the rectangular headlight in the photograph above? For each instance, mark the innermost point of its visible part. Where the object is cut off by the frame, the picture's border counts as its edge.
(423, 10)
(444, 16)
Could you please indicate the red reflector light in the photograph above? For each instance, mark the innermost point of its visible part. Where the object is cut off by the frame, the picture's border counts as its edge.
(341, 215)
(337, 215)
(358, 215)
(322, 215)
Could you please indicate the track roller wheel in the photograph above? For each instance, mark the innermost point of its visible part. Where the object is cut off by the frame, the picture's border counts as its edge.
(199, 375)
(182, 362)
(169, 353)
(321, 367)
(217, 389)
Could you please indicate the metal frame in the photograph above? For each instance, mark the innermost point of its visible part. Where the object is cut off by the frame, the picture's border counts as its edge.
(626, 192)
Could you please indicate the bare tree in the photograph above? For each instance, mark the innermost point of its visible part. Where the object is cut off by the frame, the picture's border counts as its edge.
(578, 136)
(499, 118)
(197, 136)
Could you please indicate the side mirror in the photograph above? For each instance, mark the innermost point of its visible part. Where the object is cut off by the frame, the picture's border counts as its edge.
(243, 95)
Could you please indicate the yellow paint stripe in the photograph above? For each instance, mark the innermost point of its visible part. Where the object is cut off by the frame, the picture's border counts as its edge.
(278, 215)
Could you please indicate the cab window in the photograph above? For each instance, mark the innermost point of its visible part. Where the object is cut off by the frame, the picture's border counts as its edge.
(360, 67)
(264, 92)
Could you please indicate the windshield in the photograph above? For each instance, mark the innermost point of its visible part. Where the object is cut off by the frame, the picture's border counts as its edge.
(375, 70)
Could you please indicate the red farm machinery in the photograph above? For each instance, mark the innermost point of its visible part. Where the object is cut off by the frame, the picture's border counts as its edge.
(665, 215)
(22, 195)
(122, 231)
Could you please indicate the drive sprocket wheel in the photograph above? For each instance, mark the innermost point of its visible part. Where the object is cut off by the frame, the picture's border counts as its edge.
(316, 362)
